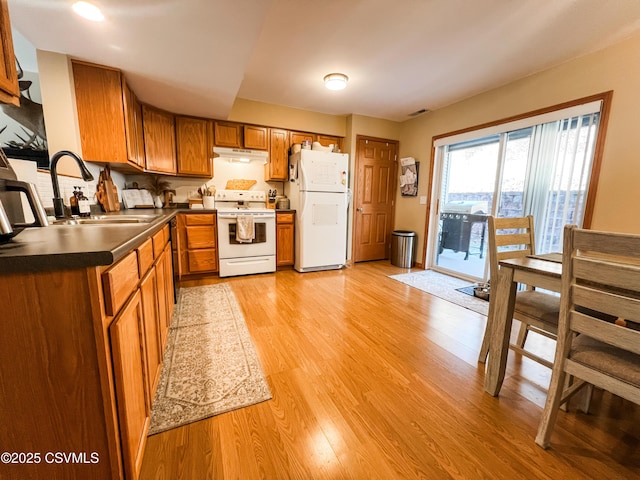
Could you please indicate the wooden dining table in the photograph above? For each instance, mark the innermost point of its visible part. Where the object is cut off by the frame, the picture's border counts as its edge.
(543, 271)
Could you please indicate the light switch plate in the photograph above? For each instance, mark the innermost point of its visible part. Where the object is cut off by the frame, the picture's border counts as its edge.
(423, 200)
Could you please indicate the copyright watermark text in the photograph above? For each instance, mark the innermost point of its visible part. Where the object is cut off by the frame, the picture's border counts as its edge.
(50, 457)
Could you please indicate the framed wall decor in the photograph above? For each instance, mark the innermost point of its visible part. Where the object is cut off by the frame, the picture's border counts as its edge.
(409, 177)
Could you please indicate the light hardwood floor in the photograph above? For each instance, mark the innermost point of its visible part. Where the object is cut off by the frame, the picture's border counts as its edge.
(373, 379)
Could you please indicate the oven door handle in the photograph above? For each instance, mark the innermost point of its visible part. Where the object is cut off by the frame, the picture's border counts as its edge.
(256, 217)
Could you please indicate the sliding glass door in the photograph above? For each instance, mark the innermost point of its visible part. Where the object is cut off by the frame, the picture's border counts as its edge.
(541, 170)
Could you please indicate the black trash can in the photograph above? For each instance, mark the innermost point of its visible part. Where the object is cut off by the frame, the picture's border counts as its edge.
(402, 248)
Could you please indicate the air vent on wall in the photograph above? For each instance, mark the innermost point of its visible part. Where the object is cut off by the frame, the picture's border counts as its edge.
(418, 112)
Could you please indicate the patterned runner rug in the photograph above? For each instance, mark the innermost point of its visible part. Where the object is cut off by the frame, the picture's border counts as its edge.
(210, 365)
(443, 286)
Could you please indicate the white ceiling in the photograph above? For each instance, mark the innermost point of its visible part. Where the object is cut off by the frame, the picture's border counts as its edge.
(196, 56)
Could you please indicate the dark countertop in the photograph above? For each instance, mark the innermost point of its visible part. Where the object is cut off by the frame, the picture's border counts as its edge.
(62, 247)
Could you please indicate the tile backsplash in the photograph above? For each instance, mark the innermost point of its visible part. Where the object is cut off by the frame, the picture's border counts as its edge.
(45, 188)
(185, 187)
(223, 171)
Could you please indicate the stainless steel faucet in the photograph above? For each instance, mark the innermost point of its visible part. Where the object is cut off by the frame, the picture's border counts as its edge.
(58, 201)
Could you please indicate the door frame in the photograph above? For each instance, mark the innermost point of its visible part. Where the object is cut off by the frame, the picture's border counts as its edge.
(605, 97)
(356, 183)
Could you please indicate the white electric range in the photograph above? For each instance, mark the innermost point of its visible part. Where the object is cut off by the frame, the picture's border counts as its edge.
(237, 254)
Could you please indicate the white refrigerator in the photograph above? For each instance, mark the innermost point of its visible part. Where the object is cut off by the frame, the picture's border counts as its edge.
(317, 190)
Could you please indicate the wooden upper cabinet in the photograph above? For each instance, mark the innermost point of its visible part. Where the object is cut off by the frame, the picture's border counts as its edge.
(194, 142)
(326, 140)
(133, 126)
(159, 140)
(256, 138)
(299, 137)
(277, 167)
(9, 90)
(109, 117)
(228, 134)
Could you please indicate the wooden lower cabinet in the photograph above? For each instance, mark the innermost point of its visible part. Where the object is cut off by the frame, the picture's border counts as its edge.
(152, 329)
(197, 233)
(162, 299)
(80, 353)
(285, 238)
(165, 299)
(127, 345)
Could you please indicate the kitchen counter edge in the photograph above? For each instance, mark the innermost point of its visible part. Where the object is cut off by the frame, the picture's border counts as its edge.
(56, 247)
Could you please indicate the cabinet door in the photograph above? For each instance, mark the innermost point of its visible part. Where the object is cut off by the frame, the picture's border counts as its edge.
(284, 244)
(153, 344)
(100, 106)
(127, 345)
(161, 298)
(228, 134)
(256, 138)
(326, 140)
(9, 90)
(299, 137)
(133, 126)
(194, 146)
(159, 140)
(277, 168)
(168, 282)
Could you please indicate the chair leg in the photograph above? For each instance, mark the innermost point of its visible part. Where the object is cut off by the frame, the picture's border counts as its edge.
(550, 411)
(484, 349)
(522, 334)
(585, 399)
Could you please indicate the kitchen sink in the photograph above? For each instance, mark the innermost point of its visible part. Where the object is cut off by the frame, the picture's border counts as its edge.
(106, 220)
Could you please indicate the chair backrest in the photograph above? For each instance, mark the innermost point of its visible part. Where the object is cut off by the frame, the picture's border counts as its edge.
(509, 237)
(600, 275)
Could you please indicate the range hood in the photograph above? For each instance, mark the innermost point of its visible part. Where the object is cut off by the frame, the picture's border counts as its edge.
(240, 155)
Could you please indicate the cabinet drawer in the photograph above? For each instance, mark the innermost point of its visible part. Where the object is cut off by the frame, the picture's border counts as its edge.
(119, 282)
(201, 236)
(203, 261)
(145, 257)
(200, 219)
(284, 217)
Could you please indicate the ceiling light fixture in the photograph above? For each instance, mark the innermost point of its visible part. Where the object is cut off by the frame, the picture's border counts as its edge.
(335, 81)
(88, 11)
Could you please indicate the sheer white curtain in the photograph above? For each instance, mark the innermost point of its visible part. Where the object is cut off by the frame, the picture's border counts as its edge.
(558, 179)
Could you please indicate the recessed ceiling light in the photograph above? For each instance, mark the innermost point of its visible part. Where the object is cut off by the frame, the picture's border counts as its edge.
(88, 11)
(335, 81)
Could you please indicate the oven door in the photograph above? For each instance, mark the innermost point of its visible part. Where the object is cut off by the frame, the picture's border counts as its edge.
(264, 242)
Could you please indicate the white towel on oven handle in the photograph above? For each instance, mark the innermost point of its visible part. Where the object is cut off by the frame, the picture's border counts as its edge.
(245, 229)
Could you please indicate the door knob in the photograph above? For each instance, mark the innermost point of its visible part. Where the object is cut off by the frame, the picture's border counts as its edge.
(359, 209)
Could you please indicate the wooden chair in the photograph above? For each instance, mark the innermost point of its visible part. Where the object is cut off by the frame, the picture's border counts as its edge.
(537, 311)
(600, 275)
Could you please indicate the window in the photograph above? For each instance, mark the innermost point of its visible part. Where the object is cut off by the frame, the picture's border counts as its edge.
(538, 165)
